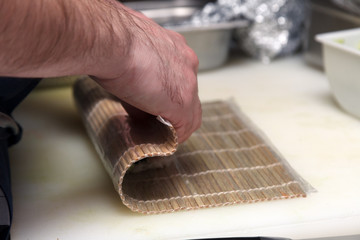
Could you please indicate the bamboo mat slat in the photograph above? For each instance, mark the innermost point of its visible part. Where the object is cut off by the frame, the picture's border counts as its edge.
(225, 162)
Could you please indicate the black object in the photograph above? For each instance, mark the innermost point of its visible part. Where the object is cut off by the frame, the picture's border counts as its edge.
(12, 92)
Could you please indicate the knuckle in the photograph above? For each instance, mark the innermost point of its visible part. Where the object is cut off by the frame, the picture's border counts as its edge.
(194, 58)
(181, 37)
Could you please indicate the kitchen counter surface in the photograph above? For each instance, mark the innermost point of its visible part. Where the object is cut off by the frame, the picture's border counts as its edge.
(61, 190)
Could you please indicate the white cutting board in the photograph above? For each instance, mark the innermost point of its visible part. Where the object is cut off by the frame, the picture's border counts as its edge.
(61, 191)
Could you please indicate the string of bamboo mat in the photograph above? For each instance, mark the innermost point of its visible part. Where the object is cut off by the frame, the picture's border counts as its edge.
(223, 163)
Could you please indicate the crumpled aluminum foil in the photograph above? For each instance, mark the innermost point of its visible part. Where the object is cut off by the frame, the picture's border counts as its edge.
(276, 27)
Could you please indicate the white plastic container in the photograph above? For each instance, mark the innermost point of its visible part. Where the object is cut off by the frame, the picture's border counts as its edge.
(341, 54)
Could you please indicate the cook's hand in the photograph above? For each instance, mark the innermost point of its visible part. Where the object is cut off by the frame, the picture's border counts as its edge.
(132, 57)
(159, 75)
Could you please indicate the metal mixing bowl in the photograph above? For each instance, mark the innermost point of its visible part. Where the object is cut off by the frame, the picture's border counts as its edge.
(211, 43)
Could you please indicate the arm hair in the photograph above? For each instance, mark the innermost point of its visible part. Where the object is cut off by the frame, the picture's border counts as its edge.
(44, 38)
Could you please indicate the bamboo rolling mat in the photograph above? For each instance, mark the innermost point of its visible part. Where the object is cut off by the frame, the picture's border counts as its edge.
(225, 162)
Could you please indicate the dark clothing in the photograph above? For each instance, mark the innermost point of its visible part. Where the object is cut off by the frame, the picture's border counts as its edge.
(12, 92)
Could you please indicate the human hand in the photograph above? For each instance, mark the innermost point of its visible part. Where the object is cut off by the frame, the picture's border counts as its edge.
(131, 56)
(158, 75)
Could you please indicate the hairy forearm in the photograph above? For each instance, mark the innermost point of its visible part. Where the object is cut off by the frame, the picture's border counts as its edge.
(47, 38)
(129, 55)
